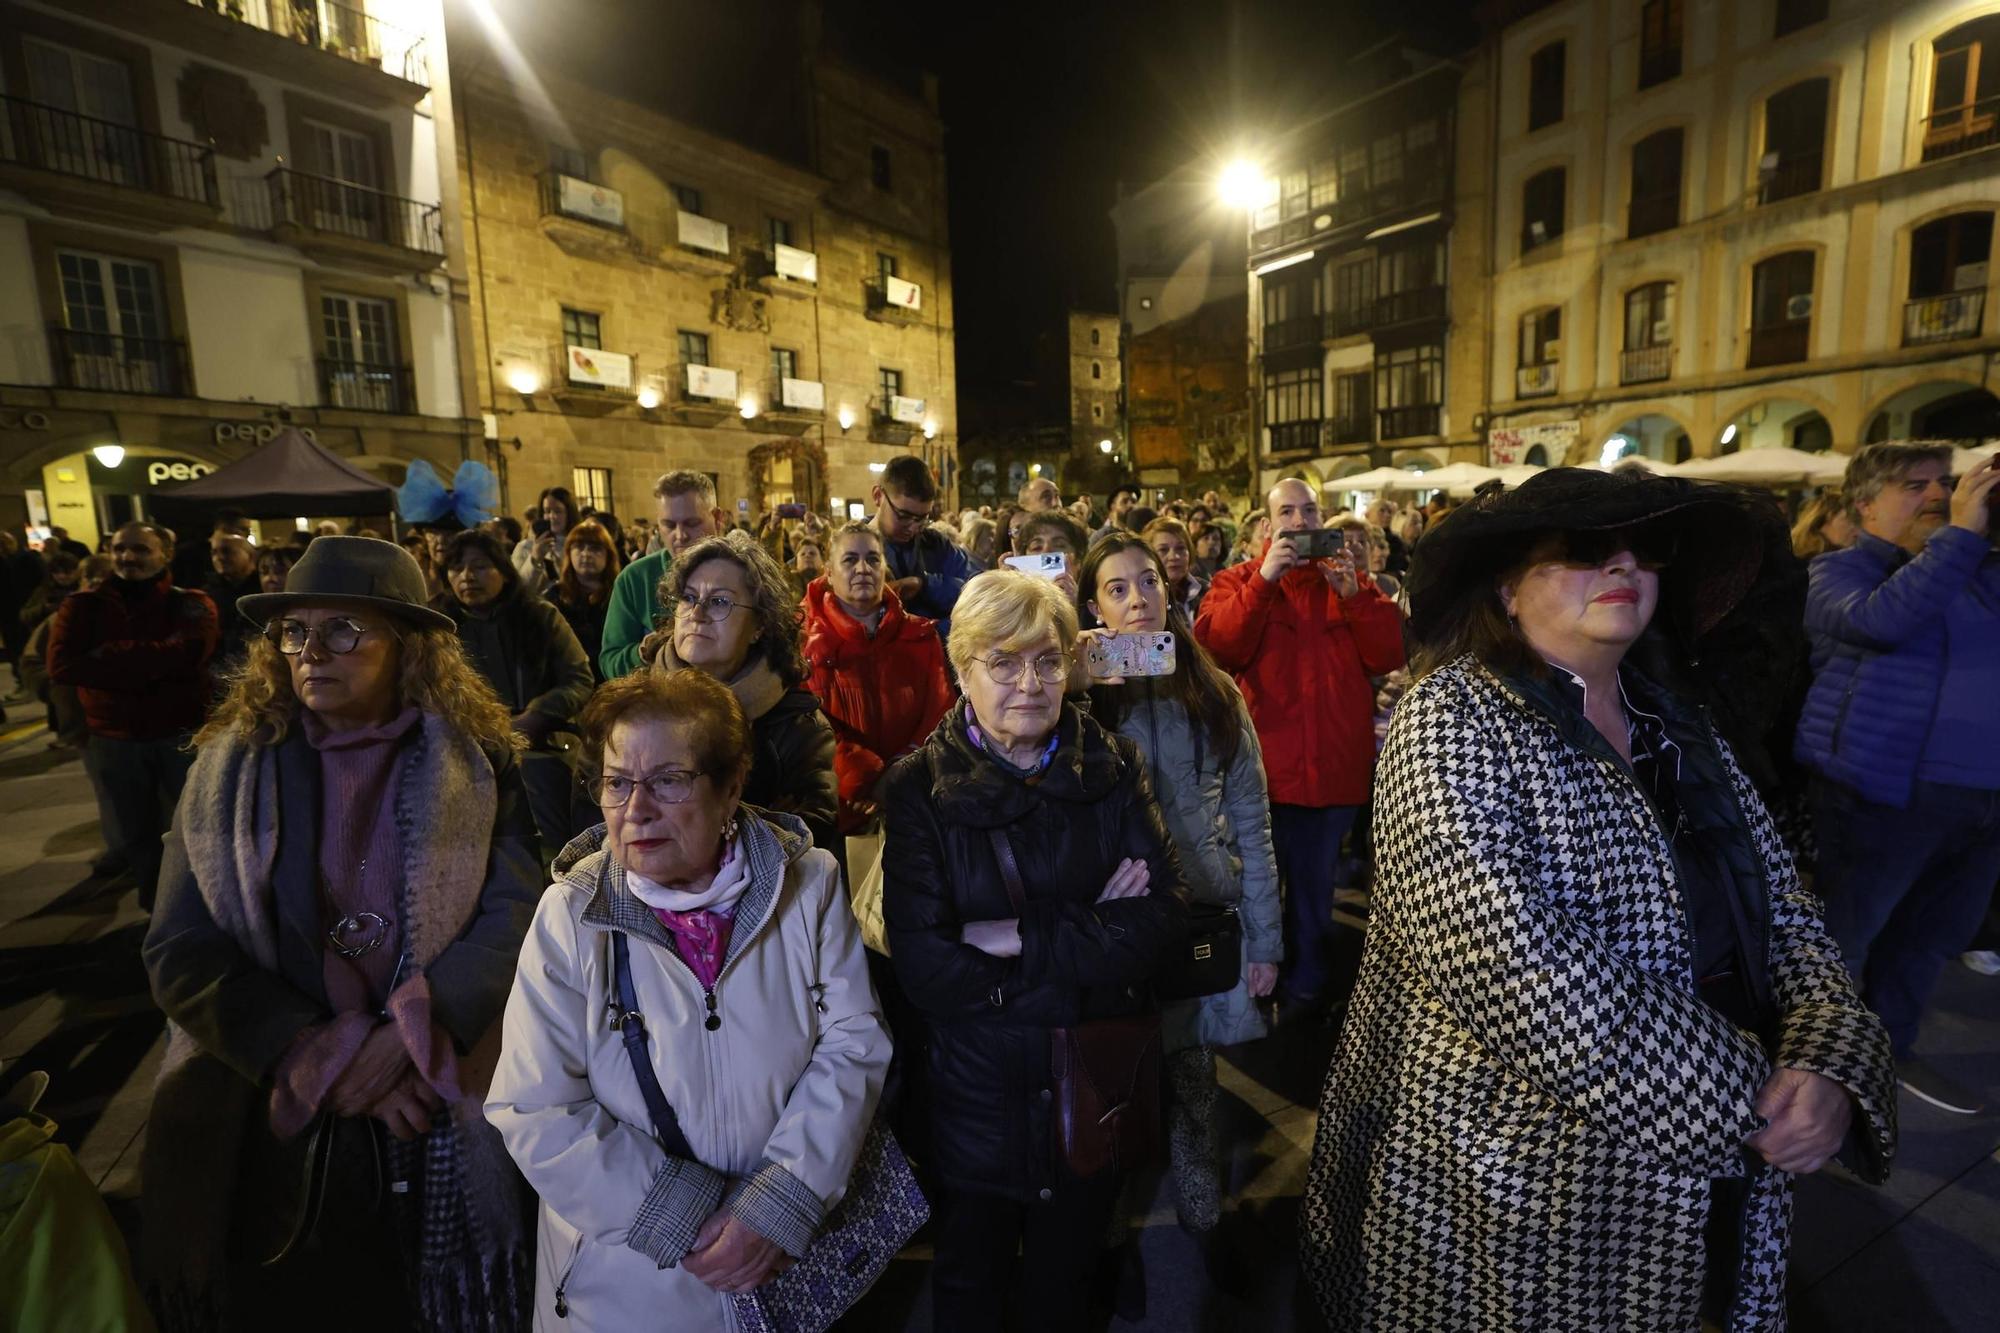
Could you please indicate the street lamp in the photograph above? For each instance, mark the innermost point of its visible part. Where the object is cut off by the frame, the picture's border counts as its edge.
(1239, 184)
(524, 381)
(1105, 446)
(649, 398)
(110, 455)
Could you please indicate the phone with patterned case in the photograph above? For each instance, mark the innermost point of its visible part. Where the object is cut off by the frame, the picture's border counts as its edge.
(1130, 655)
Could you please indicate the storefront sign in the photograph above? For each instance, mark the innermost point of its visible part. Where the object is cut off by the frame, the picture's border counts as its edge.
(1510, 444)
(254, 432)
(174, 469)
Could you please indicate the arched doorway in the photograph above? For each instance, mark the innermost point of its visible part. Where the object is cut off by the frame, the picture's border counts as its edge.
(1653, 435)
(788, 472)
(1941, 410)
(1776, 423)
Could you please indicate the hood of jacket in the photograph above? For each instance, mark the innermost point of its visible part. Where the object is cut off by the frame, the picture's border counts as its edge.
(834, 637)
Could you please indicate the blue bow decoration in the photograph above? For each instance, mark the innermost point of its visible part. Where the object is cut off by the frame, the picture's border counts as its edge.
(472, 498)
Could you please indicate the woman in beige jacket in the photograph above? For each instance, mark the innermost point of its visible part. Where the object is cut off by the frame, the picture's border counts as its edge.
(760, 1026)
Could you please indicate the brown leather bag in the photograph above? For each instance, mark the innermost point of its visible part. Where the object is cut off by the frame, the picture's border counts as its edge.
(1106, 1074)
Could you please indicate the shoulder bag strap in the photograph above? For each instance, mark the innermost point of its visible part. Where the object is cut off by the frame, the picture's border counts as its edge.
(632, 1026)
(1010, 872)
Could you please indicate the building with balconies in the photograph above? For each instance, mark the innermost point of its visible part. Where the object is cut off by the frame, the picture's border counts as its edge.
(1728, 226)
(1366, 349)
(215, 214)
(650, 293)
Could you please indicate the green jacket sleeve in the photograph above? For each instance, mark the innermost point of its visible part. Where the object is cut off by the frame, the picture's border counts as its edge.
(629, 617)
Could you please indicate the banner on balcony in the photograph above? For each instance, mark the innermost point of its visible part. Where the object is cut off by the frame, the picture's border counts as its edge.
(810, 394)
(793, 263)
(595, 203)
(1510, 444)
(708, 382)
(910, 410)
(598, 368)
(905, 294)
(700, 233)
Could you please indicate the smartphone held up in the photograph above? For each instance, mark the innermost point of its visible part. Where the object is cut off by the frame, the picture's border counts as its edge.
(1116, 656)
(1042, 564)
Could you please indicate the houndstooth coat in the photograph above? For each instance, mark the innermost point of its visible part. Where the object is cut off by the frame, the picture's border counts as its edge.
(1529, 1101)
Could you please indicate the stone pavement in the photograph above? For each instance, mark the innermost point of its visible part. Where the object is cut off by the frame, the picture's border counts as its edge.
(1921, 1253)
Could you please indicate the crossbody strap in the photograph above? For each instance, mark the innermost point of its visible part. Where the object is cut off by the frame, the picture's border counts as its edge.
(632, 1026)
(1010, 872)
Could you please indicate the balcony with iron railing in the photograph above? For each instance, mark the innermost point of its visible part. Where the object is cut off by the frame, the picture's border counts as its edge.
(365, 386)
(1779, 344)
(345, 31)
(1937, 319)
(1298, 331)
(1649, 214)
(1646, 365)
(1962, 129)
(1344, 321)
(1349, 429)
(1791, 178)
(1294, 436)
(1409, 307)
(114, 363)
(83, 165)
(1410, 420)
(336, 219)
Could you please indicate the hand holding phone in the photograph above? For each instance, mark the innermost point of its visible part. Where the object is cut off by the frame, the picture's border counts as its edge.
(1113, 657)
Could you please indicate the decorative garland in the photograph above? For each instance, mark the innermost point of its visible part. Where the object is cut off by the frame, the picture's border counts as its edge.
(809, 488)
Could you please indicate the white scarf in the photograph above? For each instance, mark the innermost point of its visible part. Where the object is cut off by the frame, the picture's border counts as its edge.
(732, 880)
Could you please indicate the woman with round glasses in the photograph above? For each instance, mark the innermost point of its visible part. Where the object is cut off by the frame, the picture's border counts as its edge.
(1018, 790)
(735, 619)
(1599, 1025)
(348, 879)
(747, 973)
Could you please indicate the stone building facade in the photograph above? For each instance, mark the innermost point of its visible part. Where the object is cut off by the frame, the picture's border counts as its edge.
(214, 219)
(649, 295)
(1725, 226)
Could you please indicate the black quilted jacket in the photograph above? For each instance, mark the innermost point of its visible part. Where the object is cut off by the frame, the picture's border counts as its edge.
(989, 1018)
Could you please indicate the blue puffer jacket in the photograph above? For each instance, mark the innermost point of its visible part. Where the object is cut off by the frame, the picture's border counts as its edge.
(1876, 615)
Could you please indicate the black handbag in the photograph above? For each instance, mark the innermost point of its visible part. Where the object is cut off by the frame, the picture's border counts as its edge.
(1211, 960)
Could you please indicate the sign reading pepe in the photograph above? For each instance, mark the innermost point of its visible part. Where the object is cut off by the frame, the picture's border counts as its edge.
(254, 432)
(174, 469)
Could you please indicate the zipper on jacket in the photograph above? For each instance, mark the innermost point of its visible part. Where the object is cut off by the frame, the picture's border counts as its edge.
(1846, 702)
(562, 1285)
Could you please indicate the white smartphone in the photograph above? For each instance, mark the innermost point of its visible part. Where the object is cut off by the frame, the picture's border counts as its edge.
(1042, 564)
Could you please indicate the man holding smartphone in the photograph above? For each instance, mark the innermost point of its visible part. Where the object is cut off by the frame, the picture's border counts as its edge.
(1303, 636)
(1902, 729)
(926, 570)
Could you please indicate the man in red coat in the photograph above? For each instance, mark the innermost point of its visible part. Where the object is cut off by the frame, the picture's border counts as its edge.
(1302, 638)
(136, 648)
(877, 669)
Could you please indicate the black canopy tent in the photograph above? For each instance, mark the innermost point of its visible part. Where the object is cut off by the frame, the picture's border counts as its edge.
(291, 477)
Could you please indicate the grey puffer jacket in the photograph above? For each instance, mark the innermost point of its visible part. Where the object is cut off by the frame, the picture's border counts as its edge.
(1219, 814)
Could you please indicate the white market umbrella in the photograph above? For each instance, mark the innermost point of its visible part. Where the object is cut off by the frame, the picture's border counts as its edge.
(1382, 479)
(1652, 465)
(1515, 473)
(1780, 466)
(1459, 478)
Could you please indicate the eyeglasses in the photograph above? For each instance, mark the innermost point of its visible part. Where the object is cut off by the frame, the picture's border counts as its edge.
(335, 636)
(670, 786)
(1651, 550)
(903, 515)
(1008, 668)
(714, 608)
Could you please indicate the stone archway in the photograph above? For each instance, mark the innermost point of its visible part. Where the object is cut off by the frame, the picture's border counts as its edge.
(1653, 435)
(1936, 410)
(1771, 423)
(804, 458)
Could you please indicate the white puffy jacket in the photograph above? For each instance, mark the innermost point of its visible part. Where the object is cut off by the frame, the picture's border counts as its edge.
(774, 1101)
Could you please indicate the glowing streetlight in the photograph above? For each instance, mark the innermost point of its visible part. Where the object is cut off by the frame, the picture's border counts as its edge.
(110, 455)
(1729, 432)
(1239, 184)
(846, 419)
(649, 398)
(1105, 446)
(930, 430)
(524, 381)
(747, 409)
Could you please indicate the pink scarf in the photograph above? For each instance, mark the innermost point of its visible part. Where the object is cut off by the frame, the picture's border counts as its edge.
(701, 939)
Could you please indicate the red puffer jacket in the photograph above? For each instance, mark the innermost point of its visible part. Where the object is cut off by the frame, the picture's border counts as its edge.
(1303, 656)
(136, 657)
(884, 695)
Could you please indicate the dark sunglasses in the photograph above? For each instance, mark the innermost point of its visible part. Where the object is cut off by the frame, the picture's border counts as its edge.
(1652, 549)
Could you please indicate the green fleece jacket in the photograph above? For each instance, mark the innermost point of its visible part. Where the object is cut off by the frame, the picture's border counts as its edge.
(635, 601)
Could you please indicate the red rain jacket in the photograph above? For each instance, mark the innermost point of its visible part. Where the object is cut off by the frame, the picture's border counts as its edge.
(883, 695)
(1303, 656)
(138, 663)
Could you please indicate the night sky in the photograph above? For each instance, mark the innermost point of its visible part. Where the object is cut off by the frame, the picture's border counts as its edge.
(1047, 107)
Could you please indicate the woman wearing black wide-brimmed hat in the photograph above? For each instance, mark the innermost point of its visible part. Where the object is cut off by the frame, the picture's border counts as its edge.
(349, 876)
(1599, 1025)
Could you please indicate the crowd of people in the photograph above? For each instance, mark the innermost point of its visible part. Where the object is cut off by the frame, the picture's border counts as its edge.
(554, 921)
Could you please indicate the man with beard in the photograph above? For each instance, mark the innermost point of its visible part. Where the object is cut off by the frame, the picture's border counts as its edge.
(1902, 728)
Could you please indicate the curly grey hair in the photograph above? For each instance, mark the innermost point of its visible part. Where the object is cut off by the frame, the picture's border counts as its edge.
(1876, 465)
(771, 598)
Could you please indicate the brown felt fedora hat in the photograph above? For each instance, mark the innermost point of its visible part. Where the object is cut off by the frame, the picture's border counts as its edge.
(365, 573)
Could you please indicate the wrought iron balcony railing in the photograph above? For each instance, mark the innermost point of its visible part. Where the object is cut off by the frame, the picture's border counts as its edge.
(84, 147)
(365, 386)
(114, 363)
(1645, 365)
(346, 31)
(329, 207)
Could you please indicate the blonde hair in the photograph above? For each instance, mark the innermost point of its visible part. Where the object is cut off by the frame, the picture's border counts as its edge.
(436, 676)
(1003, 610)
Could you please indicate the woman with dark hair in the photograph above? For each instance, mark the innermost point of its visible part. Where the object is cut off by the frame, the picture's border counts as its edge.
(735, 618)
(1193, 731)
(583, 594)
(538, 557)
(1599, 1024)
(527, 652)
(348, 879)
